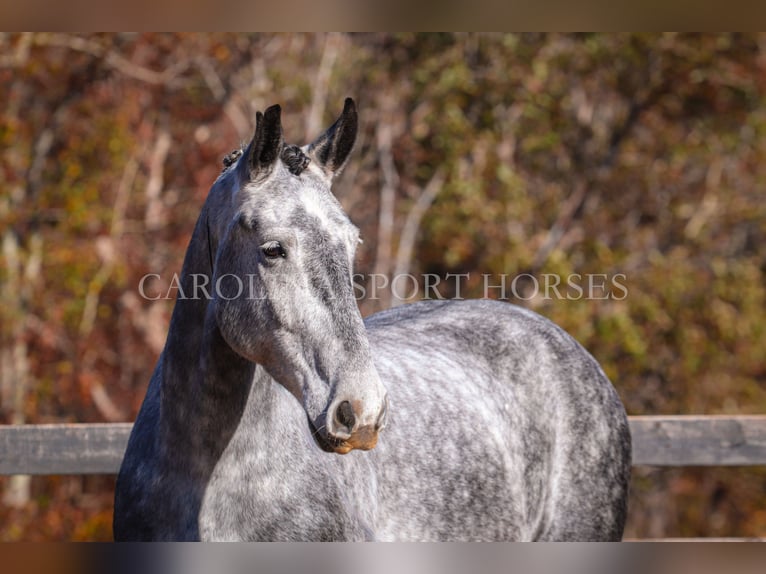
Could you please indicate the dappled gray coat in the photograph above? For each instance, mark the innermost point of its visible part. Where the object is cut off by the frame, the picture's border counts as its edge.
(276, 413)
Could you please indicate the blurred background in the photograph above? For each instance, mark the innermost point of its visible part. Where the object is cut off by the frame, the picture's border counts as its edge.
(641, 155)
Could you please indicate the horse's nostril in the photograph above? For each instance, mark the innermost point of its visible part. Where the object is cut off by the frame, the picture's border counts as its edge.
(345, 415)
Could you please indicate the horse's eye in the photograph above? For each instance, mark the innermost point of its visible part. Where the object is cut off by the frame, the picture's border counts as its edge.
(273, 249)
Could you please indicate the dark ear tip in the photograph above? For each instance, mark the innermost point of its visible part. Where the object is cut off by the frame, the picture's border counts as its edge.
(273, 112)
(349, 106)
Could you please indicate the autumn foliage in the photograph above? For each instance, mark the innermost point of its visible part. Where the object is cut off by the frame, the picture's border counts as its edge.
(642, 156)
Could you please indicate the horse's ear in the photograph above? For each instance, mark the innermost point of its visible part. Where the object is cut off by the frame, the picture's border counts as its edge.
(267, 143)
(332, 149)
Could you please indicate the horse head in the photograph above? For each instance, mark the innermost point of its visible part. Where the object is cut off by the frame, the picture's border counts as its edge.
(282, 251)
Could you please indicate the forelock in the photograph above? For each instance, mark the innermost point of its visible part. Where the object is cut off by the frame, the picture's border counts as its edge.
(294, 158)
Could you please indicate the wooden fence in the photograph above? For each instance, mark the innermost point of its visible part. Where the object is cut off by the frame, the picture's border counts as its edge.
(657, 441)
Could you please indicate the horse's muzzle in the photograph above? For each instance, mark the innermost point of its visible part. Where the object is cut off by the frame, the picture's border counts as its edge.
(344, 433)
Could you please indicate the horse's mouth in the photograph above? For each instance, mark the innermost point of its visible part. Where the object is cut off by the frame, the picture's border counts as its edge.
(327, 443)
(336, 445)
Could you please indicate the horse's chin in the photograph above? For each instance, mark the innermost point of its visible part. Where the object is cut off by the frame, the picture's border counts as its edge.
(346, 447)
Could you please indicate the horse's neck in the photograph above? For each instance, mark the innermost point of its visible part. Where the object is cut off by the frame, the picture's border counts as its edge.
(205, 384)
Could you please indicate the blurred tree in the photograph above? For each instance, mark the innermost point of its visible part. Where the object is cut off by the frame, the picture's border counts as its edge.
(640, 157)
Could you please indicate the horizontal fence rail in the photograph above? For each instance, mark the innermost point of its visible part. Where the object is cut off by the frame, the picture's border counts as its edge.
(684, 440)
(657, 441)
(63, 448)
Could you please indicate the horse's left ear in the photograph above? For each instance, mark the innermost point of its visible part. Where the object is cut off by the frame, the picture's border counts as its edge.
(331, 150)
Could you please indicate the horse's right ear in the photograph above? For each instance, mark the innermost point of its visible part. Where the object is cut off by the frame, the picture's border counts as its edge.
(267, 143)
(332, 149)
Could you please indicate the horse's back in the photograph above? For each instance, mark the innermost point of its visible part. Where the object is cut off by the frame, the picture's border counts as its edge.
(502, 426)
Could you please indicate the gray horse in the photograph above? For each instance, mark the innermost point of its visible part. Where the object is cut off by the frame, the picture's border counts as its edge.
(500, 426)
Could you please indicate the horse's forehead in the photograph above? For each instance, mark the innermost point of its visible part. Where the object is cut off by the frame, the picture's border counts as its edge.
(297, 202)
